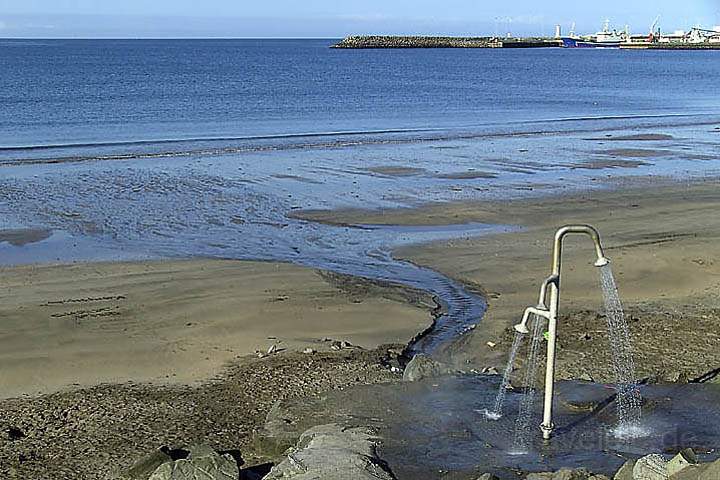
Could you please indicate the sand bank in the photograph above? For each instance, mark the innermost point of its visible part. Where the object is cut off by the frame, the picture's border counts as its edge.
(663, 240)
(177, 322)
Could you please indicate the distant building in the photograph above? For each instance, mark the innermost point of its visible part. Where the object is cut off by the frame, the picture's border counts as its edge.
(678, 36)
(699, 35)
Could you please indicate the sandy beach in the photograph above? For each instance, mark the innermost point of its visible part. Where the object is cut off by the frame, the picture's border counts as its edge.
(180, 322)
(203, 320)
(662, 240)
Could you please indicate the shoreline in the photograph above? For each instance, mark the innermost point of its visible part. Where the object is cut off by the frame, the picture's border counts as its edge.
(652, 233)
(506, 266)
(505, 298)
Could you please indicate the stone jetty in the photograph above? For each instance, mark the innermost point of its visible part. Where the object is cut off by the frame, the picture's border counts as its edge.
(389, 41)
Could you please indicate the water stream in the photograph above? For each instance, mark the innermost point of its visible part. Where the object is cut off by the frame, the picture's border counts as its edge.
(497, 411)
(628, 395)
(524, 428)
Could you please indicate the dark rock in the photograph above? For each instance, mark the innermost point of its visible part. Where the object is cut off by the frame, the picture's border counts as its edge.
(258, 472)
(14, 434)
(588, 399)
(422, 366)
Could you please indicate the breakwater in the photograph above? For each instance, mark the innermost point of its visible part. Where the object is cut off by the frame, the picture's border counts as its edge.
(398, 41)
(392, 41)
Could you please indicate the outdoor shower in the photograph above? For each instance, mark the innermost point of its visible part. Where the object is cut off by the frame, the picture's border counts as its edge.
(628, 398)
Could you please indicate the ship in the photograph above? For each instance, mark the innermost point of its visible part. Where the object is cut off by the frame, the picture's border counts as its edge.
(604, 39)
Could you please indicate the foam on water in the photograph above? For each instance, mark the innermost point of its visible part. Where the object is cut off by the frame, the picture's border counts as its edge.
(630, 432)
(490, 415)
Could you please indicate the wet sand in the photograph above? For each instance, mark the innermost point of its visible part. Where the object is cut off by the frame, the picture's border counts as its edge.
(663, 240)
(179, 322)
(22, 237)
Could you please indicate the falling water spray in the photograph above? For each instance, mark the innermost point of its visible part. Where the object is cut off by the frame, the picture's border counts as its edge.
(628, 395)
(523, 427)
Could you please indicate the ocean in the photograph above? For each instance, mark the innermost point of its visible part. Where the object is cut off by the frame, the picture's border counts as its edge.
(132, 95)
(210, 148)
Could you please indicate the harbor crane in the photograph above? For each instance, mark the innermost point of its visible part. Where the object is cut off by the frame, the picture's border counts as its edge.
(654, 35)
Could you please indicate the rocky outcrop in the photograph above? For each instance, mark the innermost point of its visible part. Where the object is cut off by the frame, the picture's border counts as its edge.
(146, 466)
(681, 461)
(650, 467)
(710, 471)
(626, 471)
(199, 463)
(683, 466)
(422, 366)
(333, 452)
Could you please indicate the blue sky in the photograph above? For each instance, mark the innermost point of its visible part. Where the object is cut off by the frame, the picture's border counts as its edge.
(333, 18)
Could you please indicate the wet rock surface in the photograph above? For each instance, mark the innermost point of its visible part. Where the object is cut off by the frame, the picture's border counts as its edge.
(437, 424)
(333, 452)
(422, 366)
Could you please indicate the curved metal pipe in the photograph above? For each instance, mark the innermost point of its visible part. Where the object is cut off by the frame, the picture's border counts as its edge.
(588, 230)
(547, 426)
(541, 309)
(551, 280)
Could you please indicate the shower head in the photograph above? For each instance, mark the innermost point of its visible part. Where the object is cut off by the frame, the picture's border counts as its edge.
(540, 311)
(602, 261)
(590, 231)
(522, 328)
